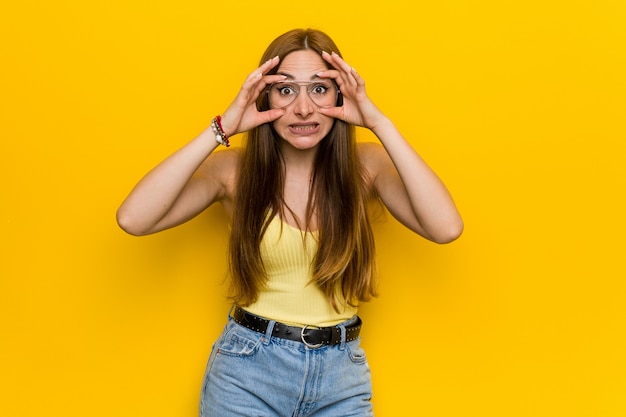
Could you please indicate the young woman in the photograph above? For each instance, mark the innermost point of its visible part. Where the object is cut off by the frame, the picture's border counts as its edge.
(301, 250)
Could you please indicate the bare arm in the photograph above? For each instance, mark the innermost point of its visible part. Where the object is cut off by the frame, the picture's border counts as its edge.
(194, 177)
(174, 191)
(409, 188)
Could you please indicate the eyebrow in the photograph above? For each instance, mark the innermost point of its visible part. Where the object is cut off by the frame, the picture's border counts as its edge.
(291, 77)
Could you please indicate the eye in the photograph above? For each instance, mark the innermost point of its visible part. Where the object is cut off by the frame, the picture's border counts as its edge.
(319, 89)
(286, 90)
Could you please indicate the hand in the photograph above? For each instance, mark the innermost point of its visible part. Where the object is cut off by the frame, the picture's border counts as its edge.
(242, 114)
(357, 107)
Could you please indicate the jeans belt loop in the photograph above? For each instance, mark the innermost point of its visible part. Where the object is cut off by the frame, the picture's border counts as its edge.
(268, 332)
(342, 345)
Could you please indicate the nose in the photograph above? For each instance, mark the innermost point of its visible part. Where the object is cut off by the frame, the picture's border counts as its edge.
(303, 105)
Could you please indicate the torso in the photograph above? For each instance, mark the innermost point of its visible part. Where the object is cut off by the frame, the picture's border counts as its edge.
(296, 194)
(288, 296)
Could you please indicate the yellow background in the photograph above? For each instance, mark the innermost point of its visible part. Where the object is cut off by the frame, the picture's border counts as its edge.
(519, 106)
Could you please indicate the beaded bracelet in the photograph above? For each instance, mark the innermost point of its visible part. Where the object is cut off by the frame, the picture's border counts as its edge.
(220, 136)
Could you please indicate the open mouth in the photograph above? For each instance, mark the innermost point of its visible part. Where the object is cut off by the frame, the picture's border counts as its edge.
(304, 129)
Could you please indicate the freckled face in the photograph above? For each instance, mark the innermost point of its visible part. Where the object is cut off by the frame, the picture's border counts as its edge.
(302, 126)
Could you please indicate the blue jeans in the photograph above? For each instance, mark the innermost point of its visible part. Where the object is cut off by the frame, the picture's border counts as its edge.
(252, 375)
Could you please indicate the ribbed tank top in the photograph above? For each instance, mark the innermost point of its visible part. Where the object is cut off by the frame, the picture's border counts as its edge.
(289, 296)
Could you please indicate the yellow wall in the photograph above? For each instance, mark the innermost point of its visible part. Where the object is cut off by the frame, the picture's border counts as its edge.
(519, 106)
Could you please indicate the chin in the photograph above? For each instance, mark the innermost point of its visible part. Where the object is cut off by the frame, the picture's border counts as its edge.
(303, 142)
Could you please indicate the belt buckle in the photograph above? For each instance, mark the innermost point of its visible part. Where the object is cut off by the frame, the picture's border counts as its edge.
(307, 344)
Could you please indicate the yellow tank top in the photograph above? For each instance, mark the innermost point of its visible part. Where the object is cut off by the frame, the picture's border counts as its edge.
(289, 296)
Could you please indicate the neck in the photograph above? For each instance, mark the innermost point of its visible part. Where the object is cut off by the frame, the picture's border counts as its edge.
(298, 162)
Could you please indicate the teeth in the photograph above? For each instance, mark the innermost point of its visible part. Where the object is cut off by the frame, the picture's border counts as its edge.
(309, 127)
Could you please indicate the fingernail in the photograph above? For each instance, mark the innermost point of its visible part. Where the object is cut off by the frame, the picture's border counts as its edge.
(324, 53)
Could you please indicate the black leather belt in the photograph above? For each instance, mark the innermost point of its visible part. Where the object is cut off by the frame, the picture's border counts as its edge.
(312, 337)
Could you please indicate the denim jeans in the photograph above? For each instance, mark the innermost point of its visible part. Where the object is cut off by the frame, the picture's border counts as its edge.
(250, 374)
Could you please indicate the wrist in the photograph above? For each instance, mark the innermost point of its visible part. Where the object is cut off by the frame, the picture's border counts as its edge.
(381, 125)
(228, 126)
(218, 130)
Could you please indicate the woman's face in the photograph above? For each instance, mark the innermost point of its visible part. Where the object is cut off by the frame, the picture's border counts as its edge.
(302, 126)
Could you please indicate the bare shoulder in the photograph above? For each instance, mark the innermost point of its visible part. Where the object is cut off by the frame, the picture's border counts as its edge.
(373, 157)
(221, 168)
(369, 150)
(223, 158)
(374, 160)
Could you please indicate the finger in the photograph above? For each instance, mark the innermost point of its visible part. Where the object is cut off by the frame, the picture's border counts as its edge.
(335, 112)
(266, 80)
(338, 62)
(257, 74)
(268, 65)
(359, 80)
(329, 73)
(255, 86)
(345, 73)
(353, 79)
(328, 58)
(270, 79)
(271, 115)
(262, 84)
(334, 59)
